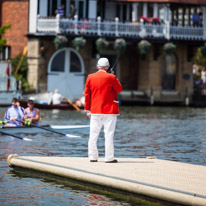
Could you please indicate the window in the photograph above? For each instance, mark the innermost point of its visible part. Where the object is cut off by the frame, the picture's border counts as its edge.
(75, 64)
(118, 11)
(57, 64)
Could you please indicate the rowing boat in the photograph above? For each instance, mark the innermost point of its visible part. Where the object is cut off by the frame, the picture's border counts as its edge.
(64, 106)
(32, 130)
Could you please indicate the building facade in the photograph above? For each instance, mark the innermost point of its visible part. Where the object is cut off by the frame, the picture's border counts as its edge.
(152, 78)
(16, 13)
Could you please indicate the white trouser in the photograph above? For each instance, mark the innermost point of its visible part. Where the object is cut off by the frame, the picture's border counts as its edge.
(96, 122)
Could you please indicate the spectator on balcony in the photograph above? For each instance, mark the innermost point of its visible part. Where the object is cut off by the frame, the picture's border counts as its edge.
(60, 11)
(73, 11)
(201, 20)
(196, 19)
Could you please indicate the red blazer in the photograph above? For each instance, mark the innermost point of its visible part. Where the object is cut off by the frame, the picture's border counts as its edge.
(101, 93)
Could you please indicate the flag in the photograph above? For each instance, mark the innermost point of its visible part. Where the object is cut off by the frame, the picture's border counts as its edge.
(8, 76)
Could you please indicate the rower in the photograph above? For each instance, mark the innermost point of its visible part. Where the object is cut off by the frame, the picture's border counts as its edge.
(14, 115)
(19, 106)
(32, 113)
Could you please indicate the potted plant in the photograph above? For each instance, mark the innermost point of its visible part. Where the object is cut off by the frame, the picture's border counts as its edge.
(155, 20)
(119, 45)
(60, 41)
(144, 46)
(101, 44)
(169, 48)
(144, 19)
(79, 43)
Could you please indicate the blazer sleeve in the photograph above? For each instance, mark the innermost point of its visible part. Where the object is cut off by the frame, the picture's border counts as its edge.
(87, 95)
(116, 84)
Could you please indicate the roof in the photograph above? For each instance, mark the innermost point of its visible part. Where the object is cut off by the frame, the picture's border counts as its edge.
(169, 1)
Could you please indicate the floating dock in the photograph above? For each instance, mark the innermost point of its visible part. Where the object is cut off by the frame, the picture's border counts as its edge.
(160, 179)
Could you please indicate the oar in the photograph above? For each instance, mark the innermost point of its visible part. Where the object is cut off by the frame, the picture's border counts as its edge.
(50, 130)
(69, 126)
(74, 105)
(13, 135)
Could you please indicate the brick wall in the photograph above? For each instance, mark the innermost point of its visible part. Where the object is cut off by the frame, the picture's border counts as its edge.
(16, 13)
(0, 12)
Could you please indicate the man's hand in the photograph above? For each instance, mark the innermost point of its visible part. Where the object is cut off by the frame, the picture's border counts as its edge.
(13, 119)
(89, 114)
(31, 119)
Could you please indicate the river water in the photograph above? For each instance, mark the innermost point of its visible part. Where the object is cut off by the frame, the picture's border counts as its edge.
(172, 133)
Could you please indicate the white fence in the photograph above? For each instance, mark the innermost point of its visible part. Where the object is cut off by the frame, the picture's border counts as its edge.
(115, 28)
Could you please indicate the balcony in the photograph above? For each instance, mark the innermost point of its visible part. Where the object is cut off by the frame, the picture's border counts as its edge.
(92, 27)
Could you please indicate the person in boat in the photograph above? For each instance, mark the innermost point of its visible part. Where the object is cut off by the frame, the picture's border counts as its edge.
(14, 114)
(101, 104)
(32, 113)
(81, 101)
(57, 98)
(19, 105)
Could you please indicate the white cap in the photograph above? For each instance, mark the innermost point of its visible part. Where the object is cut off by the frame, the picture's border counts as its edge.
(103, 62)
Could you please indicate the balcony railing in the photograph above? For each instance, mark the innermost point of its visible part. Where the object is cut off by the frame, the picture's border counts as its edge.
(115, 28)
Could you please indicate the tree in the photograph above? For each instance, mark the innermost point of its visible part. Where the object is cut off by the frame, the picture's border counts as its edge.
(22, 74)
(2, 31)
(200, 58)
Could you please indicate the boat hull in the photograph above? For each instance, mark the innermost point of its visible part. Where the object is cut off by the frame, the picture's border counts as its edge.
(24, 130)
(65, 106)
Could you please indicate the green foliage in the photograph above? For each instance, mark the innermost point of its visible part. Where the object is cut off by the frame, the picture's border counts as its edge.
(4, 28)
(200, 58)
(119, 45)
(2, 31)
(203, 51)
(22, 73)
(79, 43)
(169, 48)
(144, 46)
(101, 44)
(60, 41)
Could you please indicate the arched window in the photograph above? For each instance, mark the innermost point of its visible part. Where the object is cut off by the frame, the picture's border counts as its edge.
(57, 64)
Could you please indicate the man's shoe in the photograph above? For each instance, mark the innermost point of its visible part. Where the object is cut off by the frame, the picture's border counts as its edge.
(93, 160)
(113, 161)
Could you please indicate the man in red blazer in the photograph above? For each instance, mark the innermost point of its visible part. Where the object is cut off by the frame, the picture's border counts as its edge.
(102, 106)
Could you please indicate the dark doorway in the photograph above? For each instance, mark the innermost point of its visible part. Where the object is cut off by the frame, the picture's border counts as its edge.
(112, 59)
(169, 72)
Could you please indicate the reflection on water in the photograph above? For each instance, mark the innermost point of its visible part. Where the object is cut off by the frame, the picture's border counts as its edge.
(177, 134)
